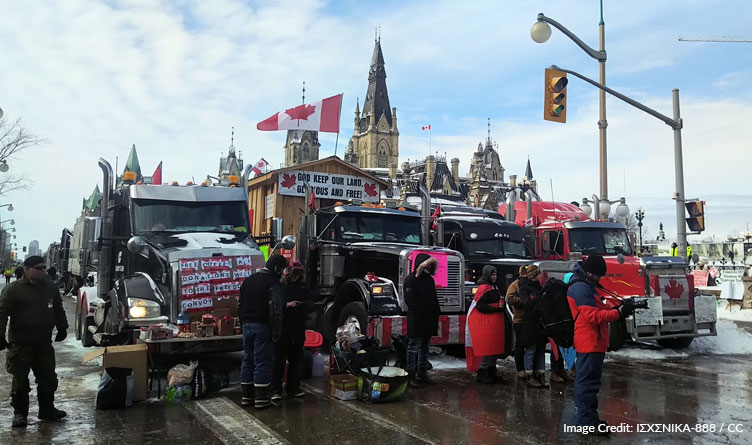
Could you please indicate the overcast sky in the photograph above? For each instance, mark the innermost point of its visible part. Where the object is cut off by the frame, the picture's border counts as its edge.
(173, 77)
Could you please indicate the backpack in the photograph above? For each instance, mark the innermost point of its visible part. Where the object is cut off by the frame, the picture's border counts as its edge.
(554, 312)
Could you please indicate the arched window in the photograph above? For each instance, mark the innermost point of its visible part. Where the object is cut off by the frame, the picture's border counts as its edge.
(382, 155)
(382, 159)
(304, 154)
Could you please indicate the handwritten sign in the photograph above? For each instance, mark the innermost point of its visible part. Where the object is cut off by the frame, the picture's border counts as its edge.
(651, 316)
(328, 185)
(205, 280)
(701, 277)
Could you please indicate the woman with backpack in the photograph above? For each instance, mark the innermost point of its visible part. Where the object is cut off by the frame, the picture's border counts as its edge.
(533, 334)
(486, 328)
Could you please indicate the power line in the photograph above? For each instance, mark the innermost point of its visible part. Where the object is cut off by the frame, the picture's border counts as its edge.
(714, 39)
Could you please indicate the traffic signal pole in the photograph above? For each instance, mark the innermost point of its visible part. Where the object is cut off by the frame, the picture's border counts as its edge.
(676, 125)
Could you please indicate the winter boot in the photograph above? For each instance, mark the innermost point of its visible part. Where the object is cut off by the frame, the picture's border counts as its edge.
(247, 391)
(276, 395)
(263, 396)
(19, 420)
(495, 376)
(297, 393)
(521, 374)
(532, 381)
(424, 379)
(484, 377)
(47, 410)
(567, 376)
(413, 382)
(600, 431)
(556, 377)
(541, 377)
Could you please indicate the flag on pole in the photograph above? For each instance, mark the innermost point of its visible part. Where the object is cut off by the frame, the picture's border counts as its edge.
(426, 127)
(436, 214)
(260, 166)
(317, 116)
(156, 177)
(311, 203)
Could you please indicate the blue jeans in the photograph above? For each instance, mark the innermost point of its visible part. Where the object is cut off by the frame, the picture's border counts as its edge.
(535, 358)
(417, 354)
(256, 366)
(587, 383)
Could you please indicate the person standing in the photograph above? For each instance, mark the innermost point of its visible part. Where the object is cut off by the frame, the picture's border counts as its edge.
(533, 335)
(674, 251)
(19, 272)
(34, 307)
(486, 328)
(289, 348)
(592, 317)
(256, 319)
(8, 275)
(422, 316)
(518, 309)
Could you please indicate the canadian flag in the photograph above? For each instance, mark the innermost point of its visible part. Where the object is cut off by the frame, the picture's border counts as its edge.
(156, 178)
(317, 116)
(260, 166)
(426, 127)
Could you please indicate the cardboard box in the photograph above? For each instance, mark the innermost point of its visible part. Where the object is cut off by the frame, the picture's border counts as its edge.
(205, 330)
(343, 387)
(128, 356)
(224, 326)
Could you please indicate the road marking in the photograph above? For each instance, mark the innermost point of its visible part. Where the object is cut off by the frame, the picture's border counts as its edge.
(231, 423)
(377, 419)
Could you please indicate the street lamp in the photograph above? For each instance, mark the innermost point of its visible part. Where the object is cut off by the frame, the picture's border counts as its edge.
(640, 215)
(9, 206)
(540, 33)
(12, 222)
(4, 166)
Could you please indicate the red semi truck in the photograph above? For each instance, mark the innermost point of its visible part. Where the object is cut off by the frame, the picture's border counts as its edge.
(559, 234)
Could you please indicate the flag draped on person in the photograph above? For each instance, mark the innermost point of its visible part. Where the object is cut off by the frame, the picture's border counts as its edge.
(156, 177)
(260, 166)
(317, 116)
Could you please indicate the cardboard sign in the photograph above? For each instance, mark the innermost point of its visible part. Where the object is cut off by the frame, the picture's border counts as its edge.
(328, 185)
(701, 277)
(204, 280)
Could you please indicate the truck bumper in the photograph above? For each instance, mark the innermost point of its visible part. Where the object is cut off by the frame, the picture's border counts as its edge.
(672, 327)
(451, 329)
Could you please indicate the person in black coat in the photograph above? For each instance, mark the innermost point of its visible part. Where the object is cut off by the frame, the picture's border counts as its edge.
(422, 316)
(533, 334)
(256, 319)
(296, 299)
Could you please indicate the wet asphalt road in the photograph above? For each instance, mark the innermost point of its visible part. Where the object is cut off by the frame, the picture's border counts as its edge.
(687, 391)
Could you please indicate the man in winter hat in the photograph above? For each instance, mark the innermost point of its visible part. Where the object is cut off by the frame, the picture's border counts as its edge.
(592, 317)
(422, 316)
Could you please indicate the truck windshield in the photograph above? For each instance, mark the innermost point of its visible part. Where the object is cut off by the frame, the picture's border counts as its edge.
(182, 216)
(496, 248)
(600, 241)
(364, 227)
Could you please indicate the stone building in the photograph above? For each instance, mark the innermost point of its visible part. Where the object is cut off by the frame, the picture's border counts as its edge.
(232, 164)
(302, 146)
(375, 139)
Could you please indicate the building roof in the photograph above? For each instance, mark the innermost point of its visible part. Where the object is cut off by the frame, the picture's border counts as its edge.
(272, 174)
(377, 98)
(132, 165)
(93, 201)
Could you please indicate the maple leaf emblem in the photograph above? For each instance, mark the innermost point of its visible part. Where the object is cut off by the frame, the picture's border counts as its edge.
(370, 189)
(301, 112)
(288, 180)
(673, 289)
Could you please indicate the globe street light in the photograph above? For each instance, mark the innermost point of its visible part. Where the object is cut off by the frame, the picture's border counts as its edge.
(640, 215)
(12, 222)
(4, 166)
(9, 206)
(540, 33)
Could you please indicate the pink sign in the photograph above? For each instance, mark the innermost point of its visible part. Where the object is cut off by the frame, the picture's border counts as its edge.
(701, 277)
(441, 277)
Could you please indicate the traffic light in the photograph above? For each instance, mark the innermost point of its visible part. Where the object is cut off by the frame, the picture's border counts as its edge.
(12, 255)
(555, 100)
(696, 220)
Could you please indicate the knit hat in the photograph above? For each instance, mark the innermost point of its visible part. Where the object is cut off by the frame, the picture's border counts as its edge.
(532, 271)
(33, 260)
(595, 264)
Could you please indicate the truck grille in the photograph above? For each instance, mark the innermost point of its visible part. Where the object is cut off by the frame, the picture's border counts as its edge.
(449, 297)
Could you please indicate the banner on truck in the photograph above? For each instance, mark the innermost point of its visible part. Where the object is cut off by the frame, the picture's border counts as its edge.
(204, 281)
(328, 185)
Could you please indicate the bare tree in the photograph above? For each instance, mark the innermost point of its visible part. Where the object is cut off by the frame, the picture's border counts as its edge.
(14, 139)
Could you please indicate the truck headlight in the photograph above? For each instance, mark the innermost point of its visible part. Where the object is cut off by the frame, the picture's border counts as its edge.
(381, 289)
(140, 308)
(475, 290)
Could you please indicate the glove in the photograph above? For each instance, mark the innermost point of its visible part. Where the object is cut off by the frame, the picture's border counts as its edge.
(61, 334)
(3, 343)
(627, 308)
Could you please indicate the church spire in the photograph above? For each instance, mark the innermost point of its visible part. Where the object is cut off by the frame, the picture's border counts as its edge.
(377, 98)
(528, 170)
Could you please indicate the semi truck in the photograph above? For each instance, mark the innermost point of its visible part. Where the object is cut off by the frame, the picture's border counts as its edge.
(162, 250)
(558, 234)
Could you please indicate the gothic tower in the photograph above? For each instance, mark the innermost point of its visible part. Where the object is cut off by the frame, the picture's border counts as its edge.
(375, 140)
(302, 146)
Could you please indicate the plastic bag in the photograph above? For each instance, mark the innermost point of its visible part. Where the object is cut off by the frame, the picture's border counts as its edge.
(181, 374)
(177, 394)
(347, 334)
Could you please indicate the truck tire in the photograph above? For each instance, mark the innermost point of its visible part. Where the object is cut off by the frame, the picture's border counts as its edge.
(617, 335)
(357, 310)
(675, 343)
(86, 337)
(77, 322)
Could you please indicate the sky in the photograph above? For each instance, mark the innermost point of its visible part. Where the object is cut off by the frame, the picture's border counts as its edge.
(173, 77)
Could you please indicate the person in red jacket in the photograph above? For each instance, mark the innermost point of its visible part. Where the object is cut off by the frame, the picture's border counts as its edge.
(591, 319)
(486, 328)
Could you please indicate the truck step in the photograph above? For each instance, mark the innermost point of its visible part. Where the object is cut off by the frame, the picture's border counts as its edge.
(92, 329)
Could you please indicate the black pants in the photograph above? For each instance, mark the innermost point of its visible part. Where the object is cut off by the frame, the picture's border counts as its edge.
(587, 383)
(7, 279)
(291, 352)
(519, 348)
(36, 357)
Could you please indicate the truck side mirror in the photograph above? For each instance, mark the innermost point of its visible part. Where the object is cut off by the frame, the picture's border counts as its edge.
(277, 233)
(288, 242)
(136, 244)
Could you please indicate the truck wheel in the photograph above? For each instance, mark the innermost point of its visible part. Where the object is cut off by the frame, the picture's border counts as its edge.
(86, 337)
(77, 323)
(675, 343)
(617, 335)
(355, 310)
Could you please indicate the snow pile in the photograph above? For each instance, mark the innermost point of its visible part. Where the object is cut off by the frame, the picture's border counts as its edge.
(733, 312)
(731, 339)
(444, 361)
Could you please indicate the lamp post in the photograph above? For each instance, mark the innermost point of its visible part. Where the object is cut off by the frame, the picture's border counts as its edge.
(540, 32)
(640, 215)
(12, 222)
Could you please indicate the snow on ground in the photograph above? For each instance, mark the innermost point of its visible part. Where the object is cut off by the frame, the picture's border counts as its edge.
(731, 339)
(733, 312)
(444, 361)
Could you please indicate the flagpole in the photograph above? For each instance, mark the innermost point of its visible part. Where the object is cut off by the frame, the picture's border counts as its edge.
(339, 117)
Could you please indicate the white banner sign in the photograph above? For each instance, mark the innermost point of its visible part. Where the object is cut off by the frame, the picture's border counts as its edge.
(328, 185)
